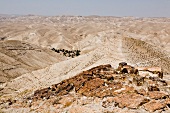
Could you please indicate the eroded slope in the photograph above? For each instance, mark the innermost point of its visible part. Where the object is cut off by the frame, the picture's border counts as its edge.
(17, 58)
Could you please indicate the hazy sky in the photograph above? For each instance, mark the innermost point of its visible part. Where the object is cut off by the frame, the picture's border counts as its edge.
(138, 8)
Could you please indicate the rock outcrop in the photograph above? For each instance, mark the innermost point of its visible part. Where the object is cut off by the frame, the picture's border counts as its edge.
(102, 84)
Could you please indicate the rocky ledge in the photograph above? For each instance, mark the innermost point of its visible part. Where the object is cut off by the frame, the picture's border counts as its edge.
(102, 89)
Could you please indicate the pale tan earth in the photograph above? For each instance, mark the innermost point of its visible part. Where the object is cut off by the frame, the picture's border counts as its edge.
(28, 64)
(17, 58)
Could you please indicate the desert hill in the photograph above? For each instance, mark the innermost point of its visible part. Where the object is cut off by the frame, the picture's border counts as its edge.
(17, 58)
(113, 51)
(67, 31)
(28, 40)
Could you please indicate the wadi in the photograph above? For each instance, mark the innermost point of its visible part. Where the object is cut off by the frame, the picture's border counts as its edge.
(84, 64)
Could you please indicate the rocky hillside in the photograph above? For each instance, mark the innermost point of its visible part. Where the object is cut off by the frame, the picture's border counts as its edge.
(101, 89)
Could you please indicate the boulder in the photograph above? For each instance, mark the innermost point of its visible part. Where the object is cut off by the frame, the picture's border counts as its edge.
(122, 64)
(66, 101)
(138, 80)
(90, 86)
(142, 92)
(130, 100)
(154, 69)
(108, 101)
(80, 109)
(151, 71)
(156, 94)
(153, 88)
(154, 105)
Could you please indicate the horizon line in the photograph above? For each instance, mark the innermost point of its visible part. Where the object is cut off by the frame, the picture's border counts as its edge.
(1, 14)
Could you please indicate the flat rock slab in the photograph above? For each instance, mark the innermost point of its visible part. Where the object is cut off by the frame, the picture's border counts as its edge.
(80, 109)
(131, 100)
(156, 94)
(154, 105)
